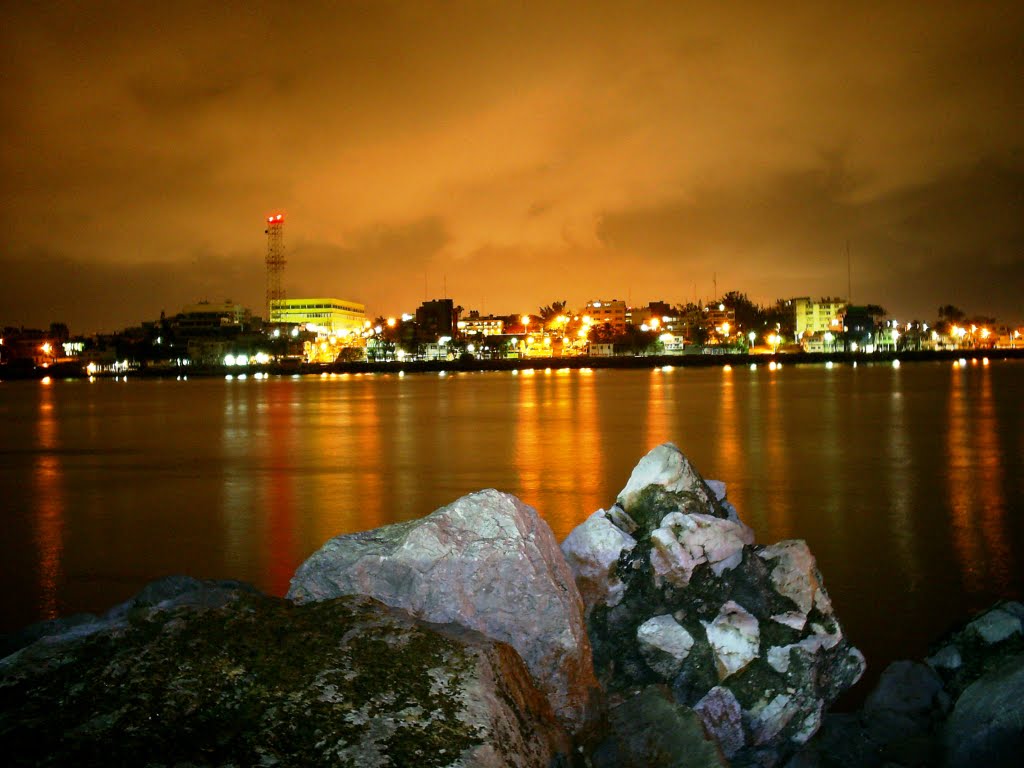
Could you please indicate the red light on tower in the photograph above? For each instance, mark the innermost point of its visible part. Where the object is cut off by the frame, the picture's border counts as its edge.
(275, 260)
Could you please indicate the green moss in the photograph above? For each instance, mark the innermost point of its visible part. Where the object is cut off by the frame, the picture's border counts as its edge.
(231, 685)
(654, 502)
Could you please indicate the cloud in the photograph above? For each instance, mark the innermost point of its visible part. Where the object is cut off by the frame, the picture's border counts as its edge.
(523, 150)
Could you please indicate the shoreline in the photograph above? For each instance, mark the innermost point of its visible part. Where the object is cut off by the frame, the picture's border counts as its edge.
(74, 370)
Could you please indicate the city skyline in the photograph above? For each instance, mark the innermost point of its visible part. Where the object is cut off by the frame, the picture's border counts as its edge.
(508, 155)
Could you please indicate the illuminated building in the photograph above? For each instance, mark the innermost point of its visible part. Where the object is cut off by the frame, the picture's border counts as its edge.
(475, 325)
(333, 316)
(818, 316)
(611, 312)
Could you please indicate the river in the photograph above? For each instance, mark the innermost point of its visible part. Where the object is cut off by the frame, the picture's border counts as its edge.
(906, 481)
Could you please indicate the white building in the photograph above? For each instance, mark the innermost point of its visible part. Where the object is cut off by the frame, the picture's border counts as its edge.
(818, 316)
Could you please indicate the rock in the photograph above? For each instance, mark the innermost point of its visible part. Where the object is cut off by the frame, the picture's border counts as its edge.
(996, 625)
(987, 723)
(682, 542)
(666, 469)
(946, 658)
(718, 489)
(735, 638)
(664, 644)
(904, 703)
(722, 716)
(488, 562)
(649, 730)
(592, 550)
(165, 593)
(261, 681)
(978, 647)
(795, 575)
(763, 628)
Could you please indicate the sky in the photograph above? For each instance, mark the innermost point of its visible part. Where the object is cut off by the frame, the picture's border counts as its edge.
(510, 154)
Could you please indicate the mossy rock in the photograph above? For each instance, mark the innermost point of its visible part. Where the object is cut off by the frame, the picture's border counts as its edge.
(262, 681)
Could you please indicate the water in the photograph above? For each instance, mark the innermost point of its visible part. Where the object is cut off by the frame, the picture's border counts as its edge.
(906, 482)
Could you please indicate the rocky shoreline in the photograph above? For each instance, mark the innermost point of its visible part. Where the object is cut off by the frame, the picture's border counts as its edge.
(659, 634)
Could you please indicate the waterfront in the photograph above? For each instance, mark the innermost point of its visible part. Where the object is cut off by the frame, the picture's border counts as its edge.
(905, 481)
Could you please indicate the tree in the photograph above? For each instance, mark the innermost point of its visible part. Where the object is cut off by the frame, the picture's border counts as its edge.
(747, 313)
(601, 334)
(550, 311)
(951, 314)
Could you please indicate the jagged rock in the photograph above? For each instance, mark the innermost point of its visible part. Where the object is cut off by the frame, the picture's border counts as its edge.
(649, 730)
(592, 550)
(682, 542)
(978, 647)
(735, 637)
(722, 716)
(718, 488)
(486, 561)
(987, 724)
(261, 681)
(763, 628)
(664, 644)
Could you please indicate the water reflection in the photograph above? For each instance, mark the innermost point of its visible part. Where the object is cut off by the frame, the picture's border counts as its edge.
(279, 539)
(990, 475)
(958, 452)
(731, 460)
(48, 490)
(659, 408)
(900, 487)
(831, 455)
(558, 448)
(975, 481)
(777, 459)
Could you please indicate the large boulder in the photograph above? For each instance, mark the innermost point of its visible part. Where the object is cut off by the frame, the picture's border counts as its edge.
(486, 561)
(987, 723)
(678, 594)
(262, 681)
(963, 707)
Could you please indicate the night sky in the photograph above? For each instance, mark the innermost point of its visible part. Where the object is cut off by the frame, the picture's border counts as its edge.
(513, 153)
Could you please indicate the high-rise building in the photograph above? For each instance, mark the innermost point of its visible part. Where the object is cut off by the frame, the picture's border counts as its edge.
(818, 316)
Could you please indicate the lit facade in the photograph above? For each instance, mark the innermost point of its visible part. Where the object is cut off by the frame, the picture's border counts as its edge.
(611, 312)
(818, 316)
(475, 325)
(334, 316)
(720, 319)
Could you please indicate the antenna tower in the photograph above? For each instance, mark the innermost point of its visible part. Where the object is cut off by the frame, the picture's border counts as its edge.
(275, 260)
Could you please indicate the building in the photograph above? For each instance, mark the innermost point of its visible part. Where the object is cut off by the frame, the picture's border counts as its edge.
(858, 326)
(476, 325)
(818, 316)
(437, 318)
(324, 315)
(612, 313)
(206, 319)
(656, 315)
(719, 322)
